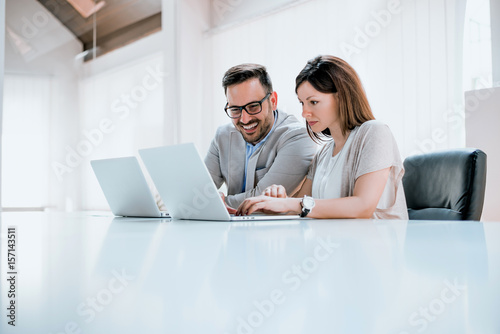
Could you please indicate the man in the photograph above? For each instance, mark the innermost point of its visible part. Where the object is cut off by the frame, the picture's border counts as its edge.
(262, 146)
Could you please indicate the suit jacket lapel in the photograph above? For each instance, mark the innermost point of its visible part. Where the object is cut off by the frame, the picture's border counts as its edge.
(236, 166)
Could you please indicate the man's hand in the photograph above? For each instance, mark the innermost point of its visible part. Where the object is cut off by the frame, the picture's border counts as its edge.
(275, 191)
(228, 208)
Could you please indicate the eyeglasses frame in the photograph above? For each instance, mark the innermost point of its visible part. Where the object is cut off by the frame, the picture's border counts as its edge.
(244, 107)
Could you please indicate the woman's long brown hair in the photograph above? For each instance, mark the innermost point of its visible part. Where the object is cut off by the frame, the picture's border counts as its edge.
(329, 74)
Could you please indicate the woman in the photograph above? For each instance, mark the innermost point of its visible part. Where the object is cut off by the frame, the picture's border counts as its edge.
(358, 172)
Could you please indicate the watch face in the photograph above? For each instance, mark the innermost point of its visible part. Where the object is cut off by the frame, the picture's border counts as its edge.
(308, 202)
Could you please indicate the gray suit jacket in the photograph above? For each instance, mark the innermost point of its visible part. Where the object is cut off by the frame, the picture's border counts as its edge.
(283, 159)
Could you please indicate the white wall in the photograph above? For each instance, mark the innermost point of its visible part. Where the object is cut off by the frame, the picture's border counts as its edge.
(225, 13)
(408, 55)
(194, 112)
(121, 112)
(171, 113)
(38, 45)
(404, 67)
(495, 39)
(83, 94)
(2, 57)
(482, 122)
(187, 66)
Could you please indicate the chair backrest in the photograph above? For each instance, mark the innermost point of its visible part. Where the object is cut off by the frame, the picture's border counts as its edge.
(446, 185)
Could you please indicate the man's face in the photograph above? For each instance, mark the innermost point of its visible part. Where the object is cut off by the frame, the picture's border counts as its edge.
(253, 127)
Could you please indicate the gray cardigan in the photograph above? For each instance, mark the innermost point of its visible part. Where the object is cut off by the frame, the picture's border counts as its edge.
(373, 148)
(283, 159)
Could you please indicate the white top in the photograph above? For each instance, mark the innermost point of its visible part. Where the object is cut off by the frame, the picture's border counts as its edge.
(328, 180)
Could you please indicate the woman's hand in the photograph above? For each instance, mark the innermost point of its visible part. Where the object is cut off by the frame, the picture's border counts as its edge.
(269, 205)
(275, 191)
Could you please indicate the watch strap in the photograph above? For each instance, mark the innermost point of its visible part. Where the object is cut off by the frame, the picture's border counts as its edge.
(304, 212)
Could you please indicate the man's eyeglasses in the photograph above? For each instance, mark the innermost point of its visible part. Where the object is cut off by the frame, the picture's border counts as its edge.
(252, 108)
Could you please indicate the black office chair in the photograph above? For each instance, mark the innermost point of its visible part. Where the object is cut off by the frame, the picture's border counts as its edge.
(446, 185)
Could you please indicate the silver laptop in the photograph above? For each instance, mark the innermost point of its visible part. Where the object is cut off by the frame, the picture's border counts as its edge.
(125, 188)
(186, 187)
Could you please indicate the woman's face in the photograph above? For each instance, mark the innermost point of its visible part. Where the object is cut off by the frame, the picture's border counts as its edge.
(321, 110)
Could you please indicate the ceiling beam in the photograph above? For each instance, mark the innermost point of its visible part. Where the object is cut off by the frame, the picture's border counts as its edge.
(86, 7)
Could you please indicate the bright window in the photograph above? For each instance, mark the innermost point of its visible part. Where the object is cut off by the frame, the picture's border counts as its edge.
(25, 141)
(477, 70)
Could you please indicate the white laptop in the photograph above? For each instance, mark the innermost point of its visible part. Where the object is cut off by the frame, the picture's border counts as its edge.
(186, 187)
(125, 188)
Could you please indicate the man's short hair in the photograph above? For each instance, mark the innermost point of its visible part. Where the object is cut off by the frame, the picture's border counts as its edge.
(243, 72)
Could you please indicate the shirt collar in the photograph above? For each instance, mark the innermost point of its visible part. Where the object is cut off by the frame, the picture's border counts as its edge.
(254, 147)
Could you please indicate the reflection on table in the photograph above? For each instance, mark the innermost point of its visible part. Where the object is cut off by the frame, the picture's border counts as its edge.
(96, 273)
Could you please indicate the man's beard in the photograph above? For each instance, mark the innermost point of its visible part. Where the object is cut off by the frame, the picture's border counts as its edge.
(263, 128)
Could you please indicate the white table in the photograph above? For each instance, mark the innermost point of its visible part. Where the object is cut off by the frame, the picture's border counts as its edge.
(91, 273)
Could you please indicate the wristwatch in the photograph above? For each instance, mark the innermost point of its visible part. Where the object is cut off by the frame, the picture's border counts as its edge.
(307, 204)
